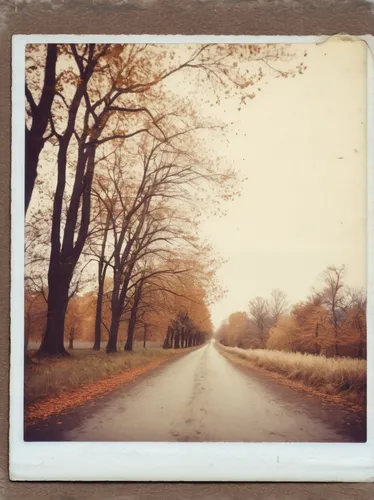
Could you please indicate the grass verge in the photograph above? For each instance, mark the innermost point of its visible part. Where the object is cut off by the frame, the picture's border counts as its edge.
(344, 378)
(54, 385)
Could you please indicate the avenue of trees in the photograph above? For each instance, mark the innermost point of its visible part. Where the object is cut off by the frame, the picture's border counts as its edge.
(331, 321)
(116, 179)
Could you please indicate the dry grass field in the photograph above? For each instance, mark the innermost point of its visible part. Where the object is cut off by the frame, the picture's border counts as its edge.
(46, 377)
(345, 377)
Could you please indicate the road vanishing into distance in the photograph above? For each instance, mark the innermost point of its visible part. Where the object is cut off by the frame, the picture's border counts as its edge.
(202, 396)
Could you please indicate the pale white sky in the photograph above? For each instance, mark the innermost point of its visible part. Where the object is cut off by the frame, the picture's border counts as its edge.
(302, 145)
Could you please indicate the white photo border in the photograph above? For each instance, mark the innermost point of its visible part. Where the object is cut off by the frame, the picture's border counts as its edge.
(97, 461)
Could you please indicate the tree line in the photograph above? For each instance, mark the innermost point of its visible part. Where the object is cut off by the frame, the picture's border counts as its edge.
(119, 175)
(183, 332)
(331, 321)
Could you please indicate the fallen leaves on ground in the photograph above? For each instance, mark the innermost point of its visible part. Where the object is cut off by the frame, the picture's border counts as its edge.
(54, 405)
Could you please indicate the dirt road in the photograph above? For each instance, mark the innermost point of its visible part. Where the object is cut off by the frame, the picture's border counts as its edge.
(204, 397)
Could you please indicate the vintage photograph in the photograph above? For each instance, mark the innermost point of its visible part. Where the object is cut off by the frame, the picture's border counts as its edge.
(195, 242)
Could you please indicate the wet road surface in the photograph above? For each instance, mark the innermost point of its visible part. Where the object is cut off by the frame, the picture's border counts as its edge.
(204, 397)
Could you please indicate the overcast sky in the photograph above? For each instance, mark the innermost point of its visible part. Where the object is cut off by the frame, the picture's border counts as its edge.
(301, 143)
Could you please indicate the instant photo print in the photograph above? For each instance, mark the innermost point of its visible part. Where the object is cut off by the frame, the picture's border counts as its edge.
(192, 258)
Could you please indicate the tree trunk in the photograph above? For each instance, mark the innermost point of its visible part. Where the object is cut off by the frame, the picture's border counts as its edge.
(98, 317)
(33, 146)
(182, 336)
(64, 257)
(34, 141)
(58, 297)
(131, 330)
(167, 343)
(113, 335)
(133, 317)
(115, 316)
(145, 336)
(172, 339)
(101, 281)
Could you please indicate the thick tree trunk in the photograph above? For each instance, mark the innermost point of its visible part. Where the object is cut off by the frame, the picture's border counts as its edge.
(172, 339)
(60, 271)
(33, 146)
(64, 257)
(113, 335)
(58, 297)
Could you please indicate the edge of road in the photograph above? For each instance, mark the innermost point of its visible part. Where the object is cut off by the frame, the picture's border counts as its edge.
(249, 368)
(56, 404)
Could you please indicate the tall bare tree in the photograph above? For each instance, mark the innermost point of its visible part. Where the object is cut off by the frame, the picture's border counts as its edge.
(334, 298)
(277, 305)
(259, 310)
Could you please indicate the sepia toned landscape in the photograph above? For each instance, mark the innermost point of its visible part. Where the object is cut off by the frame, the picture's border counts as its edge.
(195, 242)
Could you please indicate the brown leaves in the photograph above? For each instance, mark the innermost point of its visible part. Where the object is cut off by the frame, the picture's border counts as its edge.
(54, 405)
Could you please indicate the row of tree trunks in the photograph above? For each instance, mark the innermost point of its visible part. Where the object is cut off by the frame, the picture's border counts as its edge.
(181, 340)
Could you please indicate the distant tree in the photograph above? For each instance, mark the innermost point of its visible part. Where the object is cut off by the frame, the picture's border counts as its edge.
(355, 322)
(314, 328)
(283, 336)
(259, 310)
(278, 305)
(334, 299)
(183, 332)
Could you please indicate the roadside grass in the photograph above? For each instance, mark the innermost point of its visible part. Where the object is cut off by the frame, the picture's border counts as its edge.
(342, 377)
(48, 377)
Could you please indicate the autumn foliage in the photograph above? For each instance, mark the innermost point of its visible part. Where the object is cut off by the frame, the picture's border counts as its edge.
(331, 322)
(117, 179)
